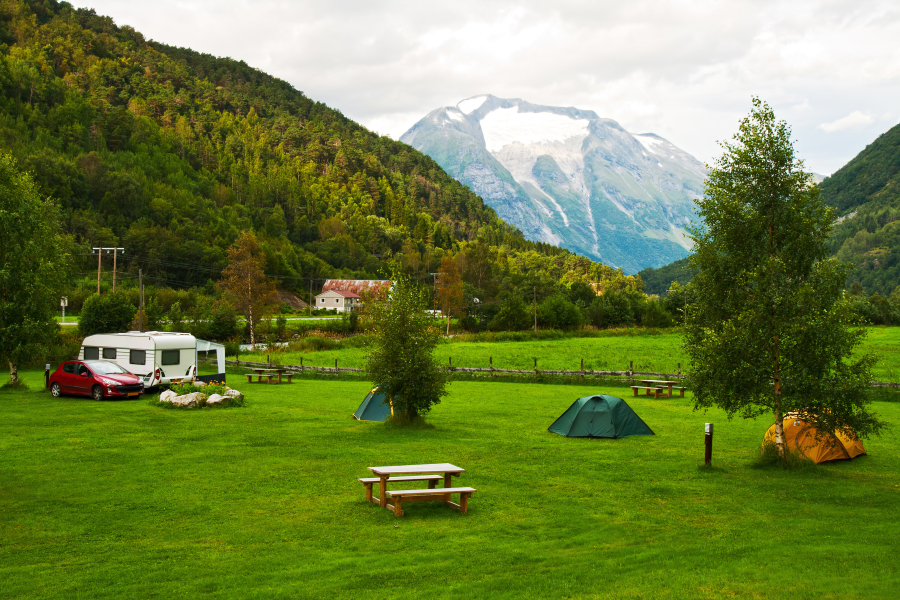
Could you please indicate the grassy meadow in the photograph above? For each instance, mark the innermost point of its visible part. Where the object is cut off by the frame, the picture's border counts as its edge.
(125, 500)
(659, 352)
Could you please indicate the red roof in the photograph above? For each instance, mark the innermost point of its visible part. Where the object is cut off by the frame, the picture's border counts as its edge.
(344, 293)
(355, 286)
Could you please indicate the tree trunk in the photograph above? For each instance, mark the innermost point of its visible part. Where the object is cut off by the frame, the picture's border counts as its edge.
(250, 316)
(13, 373)
(779, 417)
(448, 322)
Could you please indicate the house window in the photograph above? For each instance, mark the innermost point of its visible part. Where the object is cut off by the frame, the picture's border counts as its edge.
(91, 353)
(323, 300)
(138, 357)
(337, 301)
(109, 353)
(171, 357)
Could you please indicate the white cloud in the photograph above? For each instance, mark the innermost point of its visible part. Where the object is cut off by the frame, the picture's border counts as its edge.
(854, 120)
(685, 70)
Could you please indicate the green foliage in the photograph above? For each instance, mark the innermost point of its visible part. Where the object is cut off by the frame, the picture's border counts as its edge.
(33, 257)
(106, 313)
(870, 174)
(513, 315)
(792, 460)
(557, 312)
(767, 328)
(401, 359)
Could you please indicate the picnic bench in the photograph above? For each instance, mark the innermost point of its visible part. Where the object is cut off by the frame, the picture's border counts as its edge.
(269, 374)
(401, 496)
(670, 385)
(651, 390)
(432, 473)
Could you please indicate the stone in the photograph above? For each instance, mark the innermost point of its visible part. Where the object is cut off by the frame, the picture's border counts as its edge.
(167, 396)
(216, 400)
(199, 383)
(234, 393)
(189, 400)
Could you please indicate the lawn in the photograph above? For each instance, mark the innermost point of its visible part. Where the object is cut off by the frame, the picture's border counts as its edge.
(659, 353)
(125, 500)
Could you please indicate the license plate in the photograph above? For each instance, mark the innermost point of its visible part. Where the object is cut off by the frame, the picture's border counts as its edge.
(131, 394)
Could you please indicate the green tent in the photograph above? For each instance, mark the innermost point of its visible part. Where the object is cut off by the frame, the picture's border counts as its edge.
(600, 417)
(373, 408)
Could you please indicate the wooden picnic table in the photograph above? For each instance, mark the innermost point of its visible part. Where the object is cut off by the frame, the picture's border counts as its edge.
(658, 382)
(398, 472)
(261, 372)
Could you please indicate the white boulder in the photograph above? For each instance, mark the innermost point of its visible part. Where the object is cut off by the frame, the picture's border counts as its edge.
(189, 400)
(216, 400)
(167, 396)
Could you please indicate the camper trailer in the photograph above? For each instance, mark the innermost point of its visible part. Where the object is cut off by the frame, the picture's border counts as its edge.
(155, 356)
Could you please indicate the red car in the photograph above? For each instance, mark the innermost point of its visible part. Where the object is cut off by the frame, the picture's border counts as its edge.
(98, 379)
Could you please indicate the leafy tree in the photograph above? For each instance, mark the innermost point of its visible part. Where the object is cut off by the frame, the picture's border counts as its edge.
(106, 313)
(223, 324)
(513, 315)
(767, 329)
(450, 295)
(32, 260)
(401, 358)
(557, 312)
(245, 283)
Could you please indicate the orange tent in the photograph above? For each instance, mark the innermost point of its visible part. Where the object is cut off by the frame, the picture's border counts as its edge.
(800, 435)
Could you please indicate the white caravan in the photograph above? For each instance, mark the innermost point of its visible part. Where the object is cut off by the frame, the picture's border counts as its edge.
(155, 356)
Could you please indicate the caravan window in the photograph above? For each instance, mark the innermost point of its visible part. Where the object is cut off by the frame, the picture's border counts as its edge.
(171, 357)
(91, 353)
(138, 357)
(109, 353)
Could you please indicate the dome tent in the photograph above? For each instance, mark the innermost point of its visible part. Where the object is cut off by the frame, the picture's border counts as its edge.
(374, 408)
(801, 436)
(600, 417)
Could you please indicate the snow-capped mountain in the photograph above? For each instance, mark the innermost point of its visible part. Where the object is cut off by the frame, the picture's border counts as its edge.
(568, 177)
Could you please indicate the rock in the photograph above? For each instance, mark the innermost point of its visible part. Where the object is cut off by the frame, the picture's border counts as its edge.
(216, 400)
(167, 396)
(199, 383)
(189, 400)
(233, 393)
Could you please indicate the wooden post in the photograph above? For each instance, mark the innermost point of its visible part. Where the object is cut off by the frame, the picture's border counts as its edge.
(301, 364)
(335, 366)
(709, 440)
(491, 363)
(535, 309)
(535, 367)
(450, 363)
(582, 368)
(115, 252)
(679, 369)
(631, 371)
(99, 261)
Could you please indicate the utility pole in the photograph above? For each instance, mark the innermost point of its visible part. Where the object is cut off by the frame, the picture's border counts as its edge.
(141, 296)
(310, 298)
(99, 262)
(535, 309)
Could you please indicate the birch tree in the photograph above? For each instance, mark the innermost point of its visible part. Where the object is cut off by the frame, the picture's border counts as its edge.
(768, 329)
(245, 284)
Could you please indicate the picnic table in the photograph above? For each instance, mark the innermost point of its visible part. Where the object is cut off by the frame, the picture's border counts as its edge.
(657, 383)
(268, 374)
(432, 473)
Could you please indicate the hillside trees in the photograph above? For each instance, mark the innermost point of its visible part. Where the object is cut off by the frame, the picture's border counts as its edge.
(450, 297)
(106, 313)
(33, 256)
(767, 328)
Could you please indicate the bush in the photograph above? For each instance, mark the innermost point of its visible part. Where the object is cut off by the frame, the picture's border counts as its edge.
(513, 316)
(557, 312)
(109, 313)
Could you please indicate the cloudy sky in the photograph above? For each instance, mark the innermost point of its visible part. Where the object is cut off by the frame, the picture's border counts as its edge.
(685, 70)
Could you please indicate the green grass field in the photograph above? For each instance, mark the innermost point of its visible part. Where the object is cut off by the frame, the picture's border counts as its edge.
(125, 500)
(659, 353)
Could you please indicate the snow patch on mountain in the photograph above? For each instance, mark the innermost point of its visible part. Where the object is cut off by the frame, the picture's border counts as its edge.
(454, 115)
(651, 143)
(472, 104)
(505, 126)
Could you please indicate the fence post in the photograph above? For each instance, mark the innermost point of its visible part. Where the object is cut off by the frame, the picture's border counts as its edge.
(582, 369)
(301, 364)
(679, 369)
(450, 363)
(491, 363)
(535, 369)
(631, 371)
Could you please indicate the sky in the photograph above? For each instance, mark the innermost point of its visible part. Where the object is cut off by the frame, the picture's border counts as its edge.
(685, 70)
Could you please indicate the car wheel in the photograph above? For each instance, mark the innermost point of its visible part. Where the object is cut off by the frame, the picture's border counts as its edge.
(55, 390)
(97, 392)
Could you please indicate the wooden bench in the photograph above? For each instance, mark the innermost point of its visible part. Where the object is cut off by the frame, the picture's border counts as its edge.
(289, 375)
(401, 496)
(656, 390)
(370, 481)
(680, 389)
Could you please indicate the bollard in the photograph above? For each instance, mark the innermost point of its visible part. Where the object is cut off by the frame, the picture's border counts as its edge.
(47, 375)
(709, 434)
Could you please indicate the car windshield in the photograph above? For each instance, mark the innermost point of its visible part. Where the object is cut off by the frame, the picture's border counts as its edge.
(103, 367)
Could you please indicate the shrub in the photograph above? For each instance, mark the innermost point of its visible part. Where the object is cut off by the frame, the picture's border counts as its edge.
(109, 313)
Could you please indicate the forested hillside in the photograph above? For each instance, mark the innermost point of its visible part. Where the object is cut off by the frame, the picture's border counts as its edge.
(866, 191)
(170, 154)
(657, 281)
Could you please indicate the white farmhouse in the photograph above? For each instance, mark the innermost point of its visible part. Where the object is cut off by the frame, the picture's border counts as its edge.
(338, 300)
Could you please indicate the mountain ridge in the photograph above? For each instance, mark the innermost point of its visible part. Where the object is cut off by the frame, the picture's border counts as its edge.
(566, 176)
